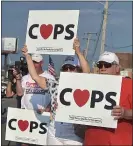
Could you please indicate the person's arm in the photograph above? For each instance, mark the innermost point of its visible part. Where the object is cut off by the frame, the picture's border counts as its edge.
(19, 89)
(122, 113)
(9, 92)
(47, 109)
(83, 62)
(32, 71)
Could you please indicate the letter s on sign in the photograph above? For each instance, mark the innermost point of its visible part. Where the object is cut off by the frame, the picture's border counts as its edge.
(110, 100)
(42, 126)
(70, 32)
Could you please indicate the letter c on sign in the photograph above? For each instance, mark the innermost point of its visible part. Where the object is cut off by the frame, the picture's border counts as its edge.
(10, 122)
(62, 100)
(31, 29)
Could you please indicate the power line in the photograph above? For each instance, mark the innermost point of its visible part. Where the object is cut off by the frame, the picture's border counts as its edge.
(97, 39)
(125, 46)
(89, 34)
(118, 47)
(112, 39)
(112, 3)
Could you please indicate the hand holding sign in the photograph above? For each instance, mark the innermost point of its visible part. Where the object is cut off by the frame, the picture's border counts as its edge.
(118, 112)
(25, 50)
(76, 45)
(24, 144)
(41, 109)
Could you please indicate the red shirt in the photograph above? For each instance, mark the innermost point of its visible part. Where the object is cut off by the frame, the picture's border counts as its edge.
(122, 135)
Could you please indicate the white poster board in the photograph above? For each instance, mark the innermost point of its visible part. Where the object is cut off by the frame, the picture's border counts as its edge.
(88, 99)
(9, 44)
(52, 31)
(27, 126)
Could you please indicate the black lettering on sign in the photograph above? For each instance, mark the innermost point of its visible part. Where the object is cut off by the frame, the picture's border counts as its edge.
(31, 31)
(94, 99)
(58, 30)
(33, 125)
(62, 100)
(70, 32)
(10, 124)
(42, 126)
(110, 100)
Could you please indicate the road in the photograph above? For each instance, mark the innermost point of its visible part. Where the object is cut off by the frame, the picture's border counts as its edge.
(5, 104)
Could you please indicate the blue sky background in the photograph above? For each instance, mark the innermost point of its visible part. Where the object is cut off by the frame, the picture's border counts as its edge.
(119, 25)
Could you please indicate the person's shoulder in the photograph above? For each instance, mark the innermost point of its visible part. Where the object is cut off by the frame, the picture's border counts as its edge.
(127, 81)
(47, 75)
(126, 86)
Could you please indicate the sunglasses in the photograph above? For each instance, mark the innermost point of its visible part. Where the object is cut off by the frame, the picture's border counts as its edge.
(70, 67)
(105, 64)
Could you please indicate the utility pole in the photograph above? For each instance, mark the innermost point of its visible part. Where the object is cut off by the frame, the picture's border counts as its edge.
(89, 34)
(105, 16)
(5, 64)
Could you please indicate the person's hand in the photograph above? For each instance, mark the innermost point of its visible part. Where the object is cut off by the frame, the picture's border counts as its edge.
(16, 74)
(25, 50)
(48, 109)
(118, 112)
(24, 144)
(18, 77)
(76, 45)
(40, 110)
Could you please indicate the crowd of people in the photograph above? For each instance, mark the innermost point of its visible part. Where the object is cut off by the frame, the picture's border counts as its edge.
(38, 91)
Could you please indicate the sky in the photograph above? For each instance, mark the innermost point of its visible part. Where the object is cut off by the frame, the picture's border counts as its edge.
(118, 34)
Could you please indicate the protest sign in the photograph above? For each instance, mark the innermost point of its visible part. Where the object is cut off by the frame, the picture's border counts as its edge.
(88, 99)
(52, 31)
(27, 126)
(9, 45)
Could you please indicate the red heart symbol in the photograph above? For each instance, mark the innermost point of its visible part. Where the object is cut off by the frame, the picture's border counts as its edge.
(46, 30)
(81, 97)
(23, 125)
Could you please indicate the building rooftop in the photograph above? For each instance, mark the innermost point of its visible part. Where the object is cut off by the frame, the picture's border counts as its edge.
(125, 60)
